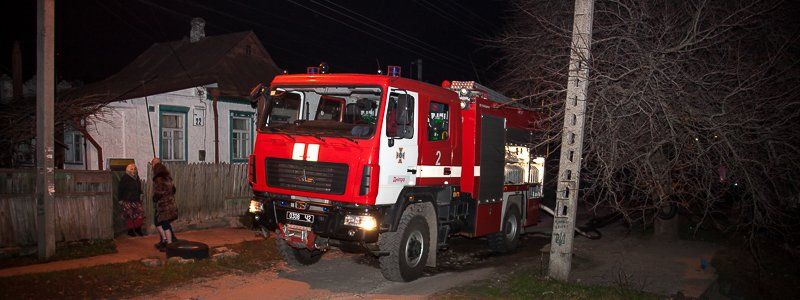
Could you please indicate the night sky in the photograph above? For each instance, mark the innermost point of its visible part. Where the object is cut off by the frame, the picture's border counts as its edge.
(95, 39)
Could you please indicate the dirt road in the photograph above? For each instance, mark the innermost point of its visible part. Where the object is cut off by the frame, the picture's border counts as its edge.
(344, 275)
(620, 258)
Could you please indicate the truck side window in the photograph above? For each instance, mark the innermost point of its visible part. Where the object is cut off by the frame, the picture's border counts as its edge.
(438, 121)
(391, 116)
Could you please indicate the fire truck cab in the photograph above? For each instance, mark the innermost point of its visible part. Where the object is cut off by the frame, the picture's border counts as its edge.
(391, 165)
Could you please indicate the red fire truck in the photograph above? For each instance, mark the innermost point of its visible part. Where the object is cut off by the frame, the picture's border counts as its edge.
(391, 165)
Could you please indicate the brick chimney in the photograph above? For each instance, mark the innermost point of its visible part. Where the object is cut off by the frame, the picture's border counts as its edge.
(198, 30)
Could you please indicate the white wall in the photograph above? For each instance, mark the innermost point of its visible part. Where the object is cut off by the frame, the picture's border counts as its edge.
(122, 130)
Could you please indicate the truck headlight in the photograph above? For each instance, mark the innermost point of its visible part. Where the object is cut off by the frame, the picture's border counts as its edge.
(256, 207)
(364, 222)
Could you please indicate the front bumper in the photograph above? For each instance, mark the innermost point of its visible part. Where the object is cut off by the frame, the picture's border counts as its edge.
(328, 218)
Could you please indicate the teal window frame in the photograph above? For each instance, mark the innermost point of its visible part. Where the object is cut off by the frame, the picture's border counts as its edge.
(240, 114)
(179, 110)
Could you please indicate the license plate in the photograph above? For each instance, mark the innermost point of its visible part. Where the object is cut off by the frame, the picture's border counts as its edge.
(296, 216)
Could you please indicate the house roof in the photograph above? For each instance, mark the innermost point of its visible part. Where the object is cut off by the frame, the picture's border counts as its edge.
(178, 65)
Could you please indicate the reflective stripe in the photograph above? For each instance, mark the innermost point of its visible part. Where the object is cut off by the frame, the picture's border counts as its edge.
(312, 154)
(438, 171)
(297, 152)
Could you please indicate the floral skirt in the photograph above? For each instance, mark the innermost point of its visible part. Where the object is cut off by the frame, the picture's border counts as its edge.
(132, 210)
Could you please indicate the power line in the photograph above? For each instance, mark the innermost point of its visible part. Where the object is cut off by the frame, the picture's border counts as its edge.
(265, 27)
(428, 47)
(376, 36)
(447, 16)
(470, 12)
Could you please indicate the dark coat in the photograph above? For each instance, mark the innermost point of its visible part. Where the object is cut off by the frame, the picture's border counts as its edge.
(129, 194)
(129, 189)
(164, 194)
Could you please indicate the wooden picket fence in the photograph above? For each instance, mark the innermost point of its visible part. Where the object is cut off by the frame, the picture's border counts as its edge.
(206, 192)
(86, 206)
(83, 206)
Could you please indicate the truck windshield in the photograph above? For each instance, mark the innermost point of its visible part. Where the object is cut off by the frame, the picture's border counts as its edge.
(329, 111)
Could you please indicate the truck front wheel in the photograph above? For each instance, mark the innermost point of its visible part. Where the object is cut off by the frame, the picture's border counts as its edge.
(507, 240)
(297, 257)
(408, 248)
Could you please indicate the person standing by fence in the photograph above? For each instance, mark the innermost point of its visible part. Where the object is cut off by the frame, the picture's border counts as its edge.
(130, 200)
(164, 200)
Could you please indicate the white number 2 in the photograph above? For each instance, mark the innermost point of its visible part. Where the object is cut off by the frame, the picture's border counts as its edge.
(438, 158)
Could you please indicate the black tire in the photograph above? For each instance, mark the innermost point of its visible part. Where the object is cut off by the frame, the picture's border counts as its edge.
(297, 257)
(187, 250)
(507, 240)
(408, 248)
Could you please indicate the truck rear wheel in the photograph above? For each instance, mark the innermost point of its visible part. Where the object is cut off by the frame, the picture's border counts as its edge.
(507, 240)
(297, 257)
(408, 248)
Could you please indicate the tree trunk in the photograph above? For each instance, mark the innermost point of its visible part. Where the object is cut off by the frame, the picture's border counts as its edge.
(666, 230)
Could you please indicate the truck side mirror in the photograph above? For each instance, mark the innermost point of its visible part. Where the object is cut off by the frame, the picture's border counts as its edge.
(258, 93)
(405, 117)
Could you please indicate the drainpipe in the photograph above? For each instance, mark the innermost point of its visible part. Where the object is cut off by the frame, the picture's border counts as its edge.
(215, 95)
(97, 147)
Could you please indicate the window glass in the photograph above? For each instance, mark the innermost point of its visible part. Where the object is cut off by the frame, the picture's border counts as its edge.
(240, 137)
(73, 140)
(324, 111)
(284, 109)
(330, 108)
(173, 141)
(438, 121)
(391, 116)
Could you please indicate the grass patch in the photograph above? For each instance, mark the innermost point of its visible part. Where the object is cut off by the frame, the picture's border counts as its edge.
(64, 251)
(133, 278)
(527, 284)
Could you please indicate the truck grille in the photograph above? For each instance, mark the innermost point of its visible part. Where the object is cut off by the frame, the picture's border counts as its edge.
(321, 177)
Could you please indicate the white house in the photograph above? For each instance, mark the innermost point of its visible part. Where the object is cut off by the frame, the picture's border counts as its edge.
(184, 100)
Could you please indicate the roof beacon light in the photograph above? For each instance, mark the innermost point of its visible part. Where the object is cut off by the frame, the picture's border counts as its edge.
(393, 71)
(312, 70)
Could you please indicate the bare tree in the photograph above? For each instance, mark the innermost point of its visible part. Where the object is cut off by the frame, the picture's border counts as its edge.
(18, 120)
(693, 104)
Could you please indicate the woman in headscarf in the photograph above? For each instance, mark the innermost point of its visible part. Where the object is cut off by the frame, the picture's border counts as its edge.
(129, 194)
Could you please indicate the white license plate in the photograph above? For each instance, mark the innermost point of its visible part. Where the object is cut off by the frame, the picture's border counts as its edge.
(296, 216)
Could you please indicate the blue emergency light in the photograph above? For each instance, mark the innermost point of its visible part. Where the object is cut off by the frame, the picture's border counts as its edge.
(312, 70)
(393, 71)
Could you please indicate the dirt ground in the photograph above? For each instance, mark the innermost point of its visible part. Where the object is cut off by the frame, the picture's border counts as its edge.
(136, 248)
(346, 275)
(619, 259)
(625, 259)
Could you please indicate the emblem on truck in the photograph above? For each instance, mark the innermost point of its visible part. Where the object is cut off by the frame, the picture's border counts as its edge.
(400, 155)
(305, 178)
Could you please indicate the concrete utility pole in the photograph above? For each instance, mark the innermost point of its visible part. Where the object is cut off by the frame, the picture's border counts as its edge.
(571, 142)
(45, 94)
